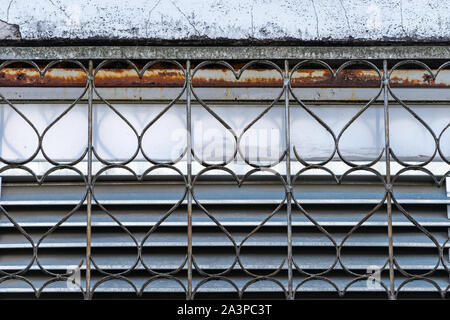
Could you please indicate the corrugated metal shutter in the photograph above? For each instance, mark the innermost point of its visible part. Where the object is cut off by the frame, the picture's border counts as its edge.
(35, 210)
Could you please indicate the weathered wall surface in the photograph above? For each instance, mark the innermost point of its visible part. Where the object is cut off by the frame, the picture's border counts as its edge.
(298, 20)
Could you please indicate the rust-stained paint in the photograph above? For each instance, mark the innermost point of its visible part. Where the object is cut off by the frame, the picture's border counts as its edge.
(29, 77)
(171, 77)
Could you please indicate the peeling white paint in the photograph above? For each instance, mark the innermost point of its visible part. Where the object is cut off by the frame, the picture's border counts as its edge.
(9, 31)
(230, 19)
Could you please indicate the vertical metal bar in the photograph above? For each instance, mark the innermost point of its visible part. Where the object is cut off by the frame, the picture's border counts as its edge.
(189, 177)
(89, 181)
(388, 180)
(287, 133)
(447, 187)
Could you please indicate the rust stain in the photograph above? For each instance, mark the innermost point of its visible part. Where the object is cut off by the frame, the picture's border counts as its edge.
(217, 77)
(29, 77)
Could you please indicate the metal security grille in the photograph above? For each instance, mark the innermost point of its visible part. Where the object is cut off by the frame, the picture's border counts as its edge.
(293, 200)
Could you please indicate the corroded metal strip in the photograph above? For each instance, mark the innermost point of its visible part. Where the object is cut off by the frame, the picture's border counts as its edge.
(235, 52)
(219, 77)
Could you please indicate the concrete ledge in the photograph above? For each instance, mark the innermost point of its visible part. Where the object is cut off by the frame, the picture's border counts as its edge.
(256, 52)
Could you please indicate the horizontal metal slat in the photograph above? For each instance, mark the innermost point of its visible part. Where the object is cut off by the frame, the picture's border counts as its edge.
(60, 260)
(266, 238)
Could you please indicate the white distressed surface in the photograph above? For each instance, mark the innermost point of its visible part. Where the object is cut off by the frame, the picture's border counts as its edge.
(230, 19)
(113, 139)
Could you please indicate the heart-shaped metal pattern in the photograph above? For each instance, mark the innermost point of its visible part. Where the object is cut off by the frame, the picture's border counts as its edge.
(238, 263)
(139, 240)
(140, 135)
(41, 241)
(50, 124)
(238, 137)
(437, 138)
(335, 137)
(336, 241)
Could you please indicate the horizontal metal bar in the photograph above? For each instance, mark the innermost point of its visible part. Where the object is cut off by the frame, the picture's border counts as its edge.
(268, 261)
(168, 285)
(210, 237)
(338, 167)
(225, 224)
(216, 52)
(208, 243)
(218, 202)
(169, 77)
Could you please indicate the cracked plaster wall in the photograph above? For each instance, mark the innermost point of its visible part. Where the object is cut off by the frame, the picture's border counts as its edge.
(301, 20)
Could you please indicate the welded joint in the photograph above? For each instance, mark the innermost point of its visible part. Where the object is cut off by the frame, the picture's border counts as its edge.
(289, 189)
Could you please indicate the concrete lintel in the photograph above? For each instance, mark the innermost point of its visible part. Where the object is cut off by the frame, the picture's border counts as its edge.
(210, 52)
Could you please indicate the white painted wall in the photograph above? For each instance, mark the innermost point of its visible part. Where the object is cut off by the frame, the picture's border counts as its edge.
(230, 19)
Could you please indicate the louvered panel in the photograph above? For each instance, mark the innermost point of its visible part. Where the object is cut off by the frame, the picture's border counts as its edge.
(115, 251)
(345, 215)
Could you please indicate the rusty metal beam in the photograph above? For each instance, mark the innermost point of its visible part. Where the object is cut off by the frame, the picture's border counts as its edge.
(171, 77)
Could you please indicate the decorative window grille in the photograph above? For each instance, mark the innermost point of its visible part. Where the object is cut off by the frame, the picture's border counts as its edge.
(243, 172)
